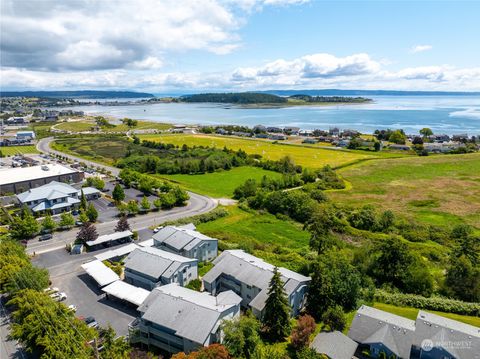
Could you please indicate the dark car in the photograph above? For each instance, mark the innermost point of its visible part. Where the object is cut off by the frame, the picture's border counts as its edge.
(91, 322)
(45, 237)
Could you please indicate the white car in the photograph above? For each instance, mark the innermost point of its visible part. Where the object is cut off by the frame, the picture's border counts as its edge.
(59, 296)
(155, 230)
(72, 307)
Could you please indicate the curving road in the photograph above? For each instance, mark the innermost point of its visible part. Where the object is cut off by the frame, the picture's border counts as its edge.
(197, 204)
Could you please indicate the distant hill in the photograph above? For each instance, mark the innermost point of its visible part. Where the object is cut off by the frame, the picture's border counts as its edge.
(335, 92)
(87, 94)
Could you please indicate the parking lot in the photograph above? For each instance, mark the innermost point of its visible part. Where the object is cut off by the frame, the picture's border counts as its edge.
(130, 193)
(106, 210)
(68, 276)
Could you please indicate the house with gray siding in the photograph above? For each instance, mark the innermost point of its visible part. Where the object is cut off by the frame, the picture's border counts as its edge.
(175, 319)
(149, 267)
(187, 242)
(378, 331)
(437, 337)
(249, 277)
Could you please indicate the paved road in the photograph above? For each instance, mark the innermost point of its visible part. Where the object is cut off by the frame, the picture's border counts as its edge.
(197, 204)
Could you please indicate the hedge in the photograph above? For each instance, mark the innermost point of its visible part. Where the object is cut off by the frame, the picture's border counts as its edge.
(437, 303)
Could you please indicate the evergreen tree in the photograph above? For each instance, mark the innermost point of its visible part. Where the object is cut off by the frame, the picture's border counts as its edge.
(276, 319)
(122, 225)
(118, 194)
(87, 232)
(83, 201)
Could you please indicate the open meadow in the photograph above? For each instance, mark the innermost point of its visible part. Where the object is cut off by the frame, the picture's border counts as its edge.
(307, 156)
(15, 150)
(86, 125)
(219, 184)
(438, 190)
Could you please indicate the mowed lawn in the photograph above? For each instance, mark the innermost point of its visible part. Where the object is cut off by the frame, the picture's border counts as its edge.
(278, 241)
(219, 184)
(438, 190)
(307, 156)
(14, 150)
(411, 313)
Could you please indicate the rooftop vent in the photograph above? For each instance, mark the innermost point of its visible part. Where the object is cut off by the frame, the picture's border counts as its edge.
(45, 168)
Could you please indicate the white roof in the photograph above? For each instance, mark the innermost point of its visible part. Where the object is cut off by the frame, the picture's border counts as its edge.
(128, 292)
(118, 252)
(21, 174)
(100, 272)
(147, 243)
(109, 237)
(88, 190)
(49, 191)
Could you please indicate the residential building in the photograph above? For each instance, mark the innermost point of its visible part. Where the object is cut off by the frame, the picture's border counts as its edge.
(16, 180)
(175, 319)
(437, 337)
(399, 147)
(291, 130)
(249, 277)
(334, 345)
(54, 197)
(443, 147)
(149, 267)
(381, 332)
(186, 241)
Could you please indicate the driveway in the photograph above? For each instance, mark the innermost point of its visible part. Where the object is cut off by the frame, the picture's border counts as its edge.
(107, 211)
(67, 274)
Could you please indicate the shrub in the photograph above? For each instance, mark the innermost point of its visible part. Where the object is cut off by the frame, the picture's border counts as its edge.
(432, 303)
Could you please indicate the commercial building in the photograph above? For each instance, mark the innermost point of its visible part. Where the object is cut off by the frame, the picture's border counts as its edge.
(151, 267)
(187, 242)
(25, 135)
(16, 180)
(54, 197)
(174, 319)
(249, 277)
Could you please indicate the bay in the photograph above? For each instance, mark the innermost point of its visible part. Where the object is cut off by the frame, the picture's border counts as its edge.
(443, 114)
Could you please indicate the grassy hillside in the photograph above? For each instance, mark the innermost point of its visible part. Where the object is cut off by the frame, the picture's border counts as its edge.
(440, 190)
(303, 155)
(86, 125)
(219, 184)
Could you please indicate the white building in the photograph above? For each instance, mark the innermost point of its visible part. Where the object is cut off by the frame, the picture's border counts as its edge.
(148, 268)
(249, 277)
(54, 197)
(187, 242)
(175, 319)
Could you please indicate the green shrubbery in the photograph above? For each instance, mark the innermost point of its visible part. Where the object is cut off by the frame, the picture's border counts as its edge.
(437, 303)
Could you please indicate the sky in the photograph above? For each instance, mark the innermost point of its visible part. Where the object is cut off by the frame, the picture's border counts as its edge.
(239, 45)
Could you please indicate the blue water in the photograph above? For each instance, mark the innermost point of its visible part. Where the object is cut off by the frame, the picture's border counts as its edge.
(443, 114)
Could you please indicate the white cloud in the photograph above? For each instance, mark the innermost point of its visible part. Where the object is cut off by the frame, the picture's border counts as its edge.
(420, 48)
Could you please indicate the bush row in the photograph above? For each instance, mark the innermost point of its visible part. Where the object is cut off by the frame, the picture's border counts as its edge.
(433, 303)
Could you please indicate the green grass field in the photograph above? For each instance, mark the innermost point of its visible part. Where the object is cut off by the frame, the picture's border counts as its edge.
(280, 242)
(219, 184)
(438, 190)
(307, 156)
(411, 313)
(14, 150)
(86, 125)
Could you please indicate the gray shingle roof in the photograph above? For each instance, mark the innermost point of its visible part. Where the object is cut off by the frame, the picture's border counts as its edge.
(371, 326)
(154, 262)
(52, 190)
(180, 238)
(253, 271)
(445, 333)
(335, 345)
(192, 315)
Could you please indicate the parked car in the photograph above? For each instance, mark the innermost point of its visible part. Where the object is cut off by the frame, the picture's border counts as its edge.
(45, 237)
(72, 307)
(51, 290)
(155, 230)
(59, 296)
(91, 322)
(79, 223)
